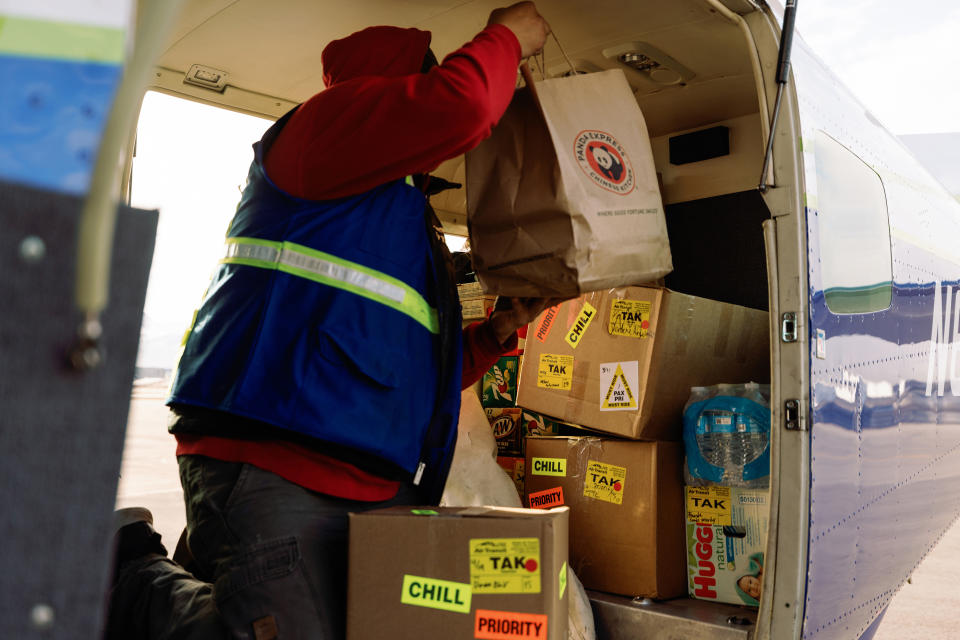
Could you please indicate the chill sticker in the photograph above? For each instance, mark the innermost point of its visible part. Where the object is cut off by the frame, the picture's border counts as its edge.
(708, 505)
(604, 160)
(630, 318)
(505, 565)
(604, 482)
(546, 499)
(509, 625)
(555, 372)
(575, 334)
(619, 382)
(436, 594)
(563, 579)
(549, 467)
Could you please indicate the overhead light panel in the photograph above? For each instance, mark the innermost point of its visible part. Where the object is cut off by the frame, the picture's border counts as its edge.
(207, 77)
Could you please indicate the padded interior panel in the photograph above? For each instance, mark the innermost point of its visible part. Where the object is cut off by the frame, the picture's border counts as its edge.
(61, 431)
(718, 250)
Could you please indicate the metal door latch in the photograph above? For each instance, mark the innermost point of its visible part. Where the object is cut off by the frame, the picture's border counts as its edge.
(788, 327)
(791, 415)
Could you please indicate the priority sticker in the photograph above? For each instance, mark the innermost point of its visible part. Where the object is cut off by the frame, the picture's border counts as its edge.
(546, 499)
(630, 318)
(604, 482)
(436, 594)
(543, 329)
(505, 565)
(509, 625)
(709, 505)
(555, 372)
(580, 325)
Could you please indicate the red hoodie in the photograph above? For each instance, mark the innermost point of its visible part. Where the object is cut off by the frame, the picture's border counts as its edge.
(380, 119)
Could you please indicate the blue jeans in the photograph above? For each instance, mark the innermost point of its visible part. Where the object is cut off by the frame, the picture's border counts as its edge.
(271, 561)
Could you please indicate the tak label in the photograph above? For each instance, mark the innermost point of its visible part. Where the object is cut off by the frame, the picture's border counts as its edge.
(505, 565)
(619, 383)
(436, 594)
(604, 482)
(555, 372)
(575, 334)
(708, 505)
(630, 318)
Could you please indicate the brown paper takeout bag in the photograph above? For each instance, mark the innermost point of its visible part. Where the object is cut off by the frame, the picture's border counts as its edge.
(562, 198)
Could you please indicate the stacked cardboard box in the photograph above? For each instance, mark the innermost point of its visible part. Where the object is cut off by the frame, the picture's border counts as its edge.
(477, 572)
(622, 362)
(474, 305)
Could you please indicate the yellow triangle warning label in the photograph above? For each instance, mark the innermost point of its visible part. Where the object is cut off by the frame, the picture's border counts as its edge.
(619, 395)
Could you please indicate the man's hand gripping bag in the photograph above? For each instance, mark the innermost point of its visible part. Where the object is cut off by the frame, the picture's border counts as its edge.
(563, 198)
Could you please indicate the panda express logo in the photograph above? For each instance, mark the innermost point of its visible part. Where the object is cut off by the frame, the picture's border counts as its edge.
(604, 160)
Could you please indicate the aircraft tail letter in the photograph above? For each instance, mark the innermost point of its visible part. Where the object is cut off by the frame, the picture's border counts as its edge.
(944, 349)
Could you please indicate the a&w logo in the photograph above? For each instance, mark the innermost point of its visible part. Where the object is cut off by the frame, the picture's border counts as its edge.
(604, 160)
(944, 341)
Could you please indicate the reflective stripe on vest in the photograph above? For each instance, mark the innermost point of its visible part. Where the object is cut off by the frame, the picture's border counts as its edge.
(332, 271)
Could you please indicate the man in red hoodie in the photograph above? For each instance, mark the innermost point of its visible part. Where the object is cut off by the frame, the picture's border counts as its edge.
(280, 402)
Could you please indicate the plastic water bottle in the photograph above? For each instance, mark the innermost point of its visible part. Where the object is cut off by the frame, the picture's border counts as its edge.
(727, 436)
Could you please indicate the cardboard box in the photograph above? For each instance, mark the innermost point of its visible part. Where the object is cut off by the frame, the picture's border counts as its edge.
(514, 466)
(470, 290)
(442, 572)
(626, 524)
(499, 384)
(726, 539)
(623, 361)
(537, 424)
(507, 430)
(476, 308)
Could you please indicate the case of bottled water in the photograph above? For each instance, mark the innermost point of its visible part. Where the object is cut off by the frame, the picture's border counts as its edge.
(726, 435)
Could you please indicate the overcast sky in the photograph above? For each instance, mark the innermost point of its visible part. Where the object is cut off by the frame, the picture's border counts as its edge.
(901, 59)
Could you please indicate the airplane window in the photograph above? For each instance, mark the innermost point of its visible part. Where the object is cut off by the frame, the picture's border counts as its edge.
(854, 231)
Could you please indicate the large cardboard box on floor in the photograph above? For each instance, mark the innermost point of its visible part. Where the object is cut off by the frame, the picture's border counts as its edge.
(626, 510)
(444, 572)
(622, 361)
(726, 539)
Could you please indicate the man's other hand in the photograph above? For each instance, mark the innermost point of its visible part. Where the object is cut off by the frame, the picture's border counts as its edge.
(528, 25)
(522, 311)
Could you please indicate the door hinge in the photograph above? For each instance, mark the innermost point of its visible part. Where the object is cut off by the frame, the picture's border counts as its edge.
(791, 415)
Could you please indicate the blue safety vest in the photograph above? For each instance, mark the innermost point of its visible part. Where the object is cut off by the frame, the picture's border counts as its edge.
(322, 318)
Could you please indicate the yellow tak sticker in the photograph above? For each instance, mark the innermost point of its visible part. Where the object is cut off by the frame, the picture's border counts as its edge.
(555, 372)
(630, 318)
(708, 505)
(604, 482)
(575, 335)
(505, 565)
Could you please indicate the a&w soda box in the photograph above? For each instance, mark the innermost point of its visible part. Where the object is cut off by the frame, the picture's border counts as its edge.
(726, 540)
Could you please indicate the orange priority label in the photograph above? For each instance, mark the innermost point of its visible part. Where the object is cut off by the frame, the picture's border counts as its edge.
(546, 499)
(505, 565)
(509, 625)
(709, 505)
(543, 329)
(630, 318)
(555, 372)
(575, 334)
(604, 482)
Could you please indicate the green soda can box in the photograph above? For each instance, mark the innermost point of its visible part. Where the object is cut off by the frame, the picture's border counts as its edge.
(499, 387)
(726, 540)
